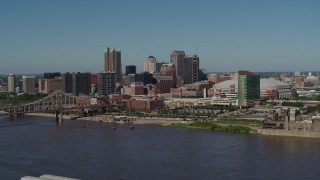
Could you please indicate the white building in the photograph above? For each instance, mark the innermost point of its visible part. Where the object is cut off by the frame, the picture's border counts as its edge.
(11, 82)
(150, 64)
(28, 84)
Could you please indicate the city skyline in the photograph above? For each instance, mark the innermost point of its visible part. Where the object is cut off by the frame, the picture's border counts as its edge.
(70, 36)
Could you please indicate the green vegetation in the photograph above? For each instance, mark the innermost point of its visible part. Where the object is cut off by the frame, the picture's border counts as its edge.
(311, 98)
(311, 109)
(247, 123)
(20, 99)
(214, 127)
(294, 104)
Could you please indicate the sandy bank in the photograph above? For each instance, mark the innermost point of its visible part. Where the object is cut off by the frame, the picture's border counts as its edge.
(47, 115)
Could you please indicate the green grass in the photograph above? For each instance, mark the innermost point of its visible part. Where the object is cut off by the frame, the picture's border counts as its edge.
(241, 123)
(214, 127)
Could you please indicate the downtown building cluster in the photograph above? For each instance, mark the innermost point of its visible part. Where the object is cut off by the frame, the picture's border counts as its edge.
(158, 78)
(162, 83)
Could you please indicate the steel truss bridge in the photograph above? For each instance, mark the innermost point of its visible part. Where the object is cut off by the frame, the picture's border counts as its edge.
(57, 102)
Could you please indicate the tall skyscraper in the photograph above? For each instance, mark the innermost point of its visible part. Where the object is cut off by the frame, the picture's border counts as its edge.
(28, 84)
(106, 83)
(76, 83)
(81, 83)
(67, 83)
(150, 64)
(187, 67)
(112, 62)
(11, 81)
(191, 69)
(177, 58)
(248, 88)
(131, 69)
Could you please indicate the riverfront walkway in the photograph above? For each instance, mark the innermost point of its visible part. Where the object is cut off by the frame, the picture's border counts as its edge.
(136, 120)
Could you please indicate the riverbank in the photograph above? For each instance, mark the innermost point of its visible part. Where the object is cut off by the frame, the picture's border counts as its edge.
(242, 127)
(48, 115)
(108, 119)
(176, 122)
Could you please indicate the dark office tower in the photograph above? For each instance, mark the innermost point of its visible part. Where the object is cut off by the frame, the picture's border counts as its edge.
(145, 78)
(51, 75)
(81, 83)
(20, 85)
(112, 62)
(202, 75)
(177, 58)
(191, 69)
(67, 83)
(130, 69)
(106, 83)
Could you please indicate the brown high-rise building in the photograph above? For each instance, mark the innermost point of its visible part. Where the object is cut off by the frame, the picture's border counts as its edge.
(177, 58)
(48, 86)
(112, 62)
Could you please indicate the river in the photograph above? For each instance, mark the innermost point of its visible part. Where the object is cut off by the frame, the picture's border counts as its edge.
(31, 145)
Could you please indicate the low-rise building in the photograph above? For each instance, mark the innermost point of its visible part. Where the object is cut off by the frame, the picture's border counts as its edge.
(137, 88)
(198, 89)
(48, 86)
(144, 104)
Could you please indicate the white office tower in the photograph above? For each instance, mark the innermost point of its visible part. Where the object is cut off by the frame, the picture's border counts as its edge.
(28, 84)
(11, 83)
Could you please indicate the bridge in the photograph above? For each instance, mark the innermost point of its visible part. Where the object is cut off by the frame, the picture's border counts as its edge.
(58, 102)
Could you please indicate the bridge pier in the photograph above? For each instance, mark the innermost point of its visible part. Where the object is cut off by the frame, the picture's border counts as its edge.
(13, 116)
(59, 116)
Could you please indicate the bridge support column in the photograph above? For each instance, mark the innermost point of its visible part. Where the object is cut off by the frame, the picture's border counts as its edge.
(13, 116)
(286, 119)
(59, 116)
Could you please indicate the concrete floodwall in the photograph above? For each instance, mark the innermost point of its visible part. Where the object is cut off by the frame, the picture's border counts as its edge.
(279, 132)
(53, 177)
(47, 177)
(30, 178)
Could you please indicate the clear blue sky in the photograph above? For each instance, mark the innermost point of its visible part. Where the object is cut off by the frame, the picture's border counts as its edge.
(70, 35)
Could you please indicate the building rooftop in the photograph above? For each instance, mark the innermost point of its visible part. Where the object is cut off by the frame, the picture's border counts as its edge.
(112, 49)
(265, 83)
